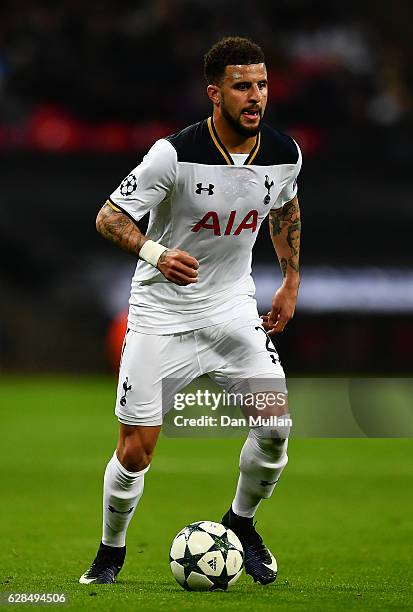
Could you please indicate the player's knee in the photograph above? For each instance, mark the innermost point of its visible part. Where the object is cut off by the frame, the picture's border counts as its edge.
(272, 442)
(134, 456)
(134, 460)
(136, 446)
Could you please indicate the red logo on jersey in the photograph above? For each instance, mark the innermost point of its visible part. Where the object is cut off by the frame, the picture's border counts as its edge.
(211, 221)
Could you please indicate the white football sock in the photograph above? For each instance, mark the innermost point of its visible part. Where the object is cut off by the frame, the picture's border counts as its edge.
(261, 462)
(122, 491)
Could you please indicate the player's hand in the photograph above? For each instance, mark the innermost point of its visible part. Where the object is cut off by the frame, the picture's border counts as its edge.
(282, 311)
(178, 267)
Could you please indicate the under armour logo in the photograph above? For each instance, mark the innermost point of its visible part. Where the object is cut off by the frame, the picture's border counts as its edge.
(213, 564)
(199, 189)
(126, 389)
(113, 510)
(268, 186)
(267, 483)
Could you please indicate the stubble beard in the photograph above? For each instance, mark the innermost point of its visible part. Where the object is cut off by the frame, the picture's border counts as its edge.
(236, 124)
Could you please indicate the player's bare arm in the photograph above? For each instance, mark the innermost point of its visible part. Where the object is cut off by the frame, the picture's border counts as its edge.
(119, 229)
(285, 230)
(176, 265)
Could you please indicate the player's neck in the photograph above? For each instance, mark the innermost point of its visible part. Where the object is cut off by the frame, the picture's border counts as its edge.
(232, 140)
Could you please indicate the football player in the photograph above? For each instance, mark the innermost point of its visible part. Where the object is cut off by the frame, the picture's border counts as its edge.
(192, 310)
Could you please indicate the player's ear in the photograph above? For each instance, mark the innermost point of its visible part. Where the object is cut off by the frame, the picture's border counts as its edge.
(214, 94)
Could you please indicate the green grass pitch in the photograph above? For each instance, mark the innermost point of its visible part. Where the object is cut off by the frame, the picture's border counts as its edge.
(340, 523)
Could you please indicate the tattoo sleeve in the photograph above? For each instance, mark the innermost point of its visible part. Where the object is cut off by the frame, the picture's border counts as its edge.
(285, 230)
(119, 229)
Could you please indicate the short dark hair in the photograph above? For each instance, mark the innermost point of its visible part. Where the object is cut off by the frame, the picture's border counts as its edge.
(229, 51)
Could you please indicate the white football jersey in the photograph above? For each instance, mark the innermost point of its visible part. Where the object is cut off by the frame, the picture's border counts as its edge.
(204, 201)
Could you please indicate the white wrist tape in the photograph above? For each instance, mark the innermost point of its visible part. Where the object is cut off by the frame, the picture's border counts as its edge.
(151, 252)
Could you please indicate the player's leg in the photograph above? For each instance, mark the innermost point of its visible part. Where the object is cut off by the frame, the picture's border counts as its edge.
(141, 397)
(264, 454)
(123, 486)
(262, 461)
(124, 480)
(252, 366)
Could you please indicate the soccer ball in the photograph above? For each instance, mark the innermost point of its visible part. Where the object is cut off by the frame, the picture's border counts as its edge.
(206, 556)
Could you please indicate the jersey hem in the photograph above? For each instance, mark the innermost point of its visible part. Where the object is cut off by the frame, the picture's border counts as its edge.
(246, 309)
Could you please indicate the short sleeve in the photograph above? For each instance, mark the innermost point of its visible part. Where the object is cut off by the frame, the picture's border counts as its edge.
(290, 188)
(147, 185)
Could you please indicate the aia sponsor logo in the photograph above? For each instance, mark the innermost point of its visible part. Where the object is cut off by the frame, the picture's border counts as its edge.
(230, 226)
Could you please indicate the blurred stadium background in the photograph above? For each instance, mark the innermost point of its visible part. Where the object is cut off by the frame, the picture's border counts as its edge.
(85, 89)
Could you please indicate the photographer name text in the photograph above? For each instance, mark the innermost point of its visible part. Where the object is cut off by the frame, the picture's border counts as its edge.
(226, 421)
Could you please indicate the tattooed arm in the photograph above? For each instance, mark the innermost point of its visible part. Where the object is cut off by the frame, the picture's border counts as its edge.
(176, 265)
(121, 230)
(285, 230)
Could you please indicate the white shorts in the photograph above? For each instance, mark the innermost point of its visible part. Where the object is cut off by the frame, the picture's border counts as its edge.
(232, 354)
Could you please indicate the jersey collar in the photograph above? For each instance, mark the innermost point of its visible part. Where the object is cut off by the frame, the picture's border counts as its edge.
(221, 147)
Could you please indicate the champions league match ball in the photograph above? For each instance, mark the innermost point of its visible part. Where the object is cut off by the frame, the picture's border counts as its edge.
(206, 556)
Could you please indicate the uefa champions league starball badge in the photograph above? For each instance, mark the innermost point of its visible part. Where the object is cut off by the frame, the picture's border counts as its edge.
(128, 185)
